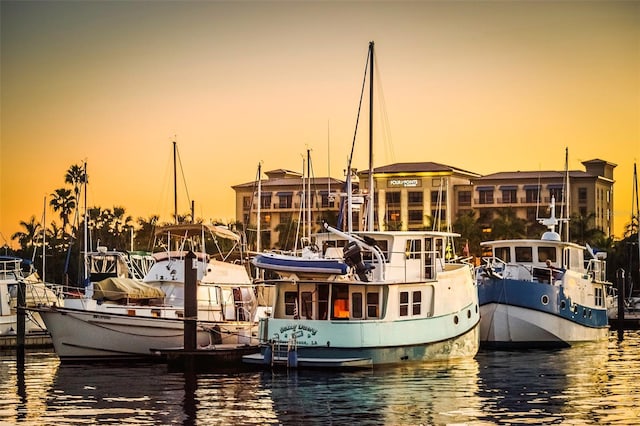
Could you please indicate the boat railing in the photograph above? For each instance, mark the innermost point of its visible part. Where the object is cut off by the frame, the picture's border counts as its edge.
(10, 269)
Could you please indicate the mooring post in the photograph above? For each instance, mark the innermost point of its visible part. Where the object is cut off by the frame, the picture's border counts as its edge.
(21, 321)
(190, 301)
(621, 299)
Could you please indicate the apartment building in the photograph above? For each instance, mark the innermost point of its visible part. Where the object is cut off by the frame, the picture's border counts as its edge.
(426, 195)
(285, 200)
(529, 193)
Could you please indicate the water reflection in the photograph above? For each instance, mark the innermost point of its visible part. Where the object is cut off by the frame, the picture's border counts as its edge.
(427, 394)
(586, 384)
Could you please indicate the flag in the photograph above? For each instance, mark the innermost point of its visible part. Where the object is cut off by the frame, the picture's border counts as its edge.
(465, 249)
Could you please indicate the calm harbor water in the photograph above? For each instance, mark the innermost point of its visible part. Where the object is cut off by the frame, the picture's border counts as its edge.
(594, 383)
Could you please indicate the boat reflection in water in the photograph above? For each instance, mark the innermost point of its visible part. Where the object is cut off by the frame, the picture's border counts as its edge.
(590, 383)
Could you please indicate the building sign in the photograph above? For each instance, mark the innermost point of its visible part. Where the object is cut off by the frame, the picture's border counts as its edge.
(404, 183)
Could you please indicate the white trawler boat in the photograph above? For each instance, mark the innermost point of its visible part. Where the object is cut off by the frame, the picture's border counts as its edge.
(124, 317)
(369, 298)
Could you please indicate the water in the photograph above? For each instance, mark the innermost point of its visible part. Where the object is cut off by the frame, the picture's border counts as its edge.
(594, 383)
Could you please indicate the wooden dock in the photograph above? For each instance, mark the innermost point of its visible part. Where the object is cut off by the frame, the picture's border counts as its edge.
(31, 340)
(218, 357)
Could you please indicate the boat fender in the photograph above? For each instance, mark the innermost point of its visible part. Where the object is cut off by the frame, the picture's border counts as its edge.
(292, 358)
(268, 355)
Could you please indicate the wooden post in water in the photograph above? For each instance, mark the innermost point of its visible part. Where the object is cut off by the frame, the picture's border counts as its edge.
(190, 302)
(21, 321)
(621, 298)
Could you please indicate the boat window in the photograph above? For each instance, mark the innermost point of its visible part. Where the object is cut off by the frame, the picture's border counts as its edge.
(413, 249)
(524, 254)
(340, 302)
(323, 301)
(356, 305)
(404, 303)
(291, 303)
(546, 253)
(373, 303)
(417, 302)
(503, 253)
(307, 304)
(429, 259)
(599, 299)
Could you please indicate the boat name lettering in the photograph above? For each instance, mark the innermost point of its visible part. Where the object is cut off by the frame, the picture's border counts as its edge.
(301, 327)
(101, 317)
(406, 183)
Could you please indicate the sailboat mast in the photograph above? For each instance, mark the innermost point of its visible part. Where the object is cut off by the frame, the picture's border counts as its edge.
(86, 225)
(568, 196)
(259, 206)
(309, 196)
(371, 190)
(175, 184)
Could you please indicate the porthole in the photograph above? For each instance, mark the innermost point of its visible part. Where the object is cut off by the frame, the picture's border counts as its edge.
(545, 299)
(456, 320)
(563, 305)
(468, 313)
(584, 312)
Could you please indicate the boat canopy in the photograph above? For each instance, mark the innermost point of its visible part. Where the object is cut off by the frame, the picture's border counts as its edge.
(195, 229)
(125, 288)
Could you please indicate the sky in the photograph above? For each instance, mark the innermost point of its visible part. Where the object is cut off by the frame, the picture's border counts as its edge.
(485, 86)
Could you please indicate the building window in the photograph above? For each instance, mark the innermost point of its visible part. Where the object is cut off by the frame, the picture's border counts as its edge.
(582, 195)
(286, 217)
(438, 196)
(246, 203)
(393, 216)
(532, 214)
(415, 198)
(285, 201)
(556, 193)
(464, 198)
(327, 202)
(531, 195)
(265, 202)
(485, 197)
(415, 216)
(392, 198)
(509, 196)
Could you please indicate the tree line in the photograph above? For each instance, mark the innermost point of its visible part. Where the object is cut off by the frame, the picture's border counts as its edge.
(62, 240)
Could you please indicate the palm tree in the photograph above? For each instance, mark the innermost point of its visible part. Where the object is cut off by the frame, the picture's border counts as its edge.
(77, 177)
(28, 237)
(470, 230)
(63, 202)
(507, 225)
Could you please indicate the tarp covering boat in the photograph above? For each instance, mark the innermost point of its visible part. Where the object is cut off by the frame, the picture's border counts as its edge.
(124, 288)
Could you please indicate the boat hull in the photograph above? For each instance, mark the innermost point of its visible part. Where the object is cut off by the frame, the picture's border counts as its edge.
(370, 343)
(79, 335)
(519, 313)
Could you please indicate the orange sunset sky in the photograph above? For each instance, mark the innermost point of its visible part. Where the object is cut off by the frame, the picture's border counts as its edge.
(482, 86)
